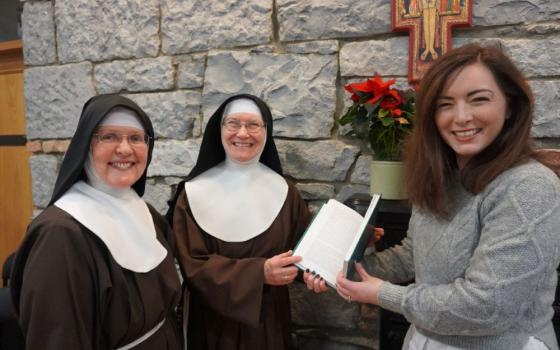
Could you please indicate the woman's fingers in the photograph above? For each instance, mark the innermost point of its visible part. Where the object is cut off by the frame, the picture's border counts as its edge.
(362, 272)
(378, 232)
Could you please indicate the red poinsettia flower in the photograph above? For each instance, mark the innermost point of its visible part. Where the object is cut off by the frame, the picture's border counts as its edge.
(381, 115)
(375, 87)
(392, 100)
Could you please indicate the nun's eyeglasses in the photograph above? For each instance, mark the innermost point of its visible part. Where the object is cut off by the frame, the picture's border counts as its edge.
(235, 125)
(111, 138)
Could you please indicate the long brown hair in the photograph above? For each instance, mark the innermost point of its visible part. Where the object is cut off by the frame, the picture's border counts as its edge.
(431, 164)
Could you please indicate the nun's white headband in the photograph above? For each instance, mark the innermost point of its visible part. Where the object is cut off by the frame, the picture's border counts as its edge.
(241, 105)
(120, 116)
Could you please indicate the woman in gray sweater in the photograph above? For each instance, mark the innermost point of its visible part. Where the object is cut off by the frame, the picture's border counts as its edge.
(484, 238)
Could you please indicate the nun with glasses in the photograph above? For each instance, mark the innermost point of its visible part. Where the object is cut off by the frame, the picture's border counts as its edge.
(96, 269)
(235, 221)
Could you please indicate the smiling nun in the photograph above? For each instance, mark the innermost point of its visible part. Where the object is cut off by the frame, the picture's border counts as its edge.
(95, 270)
(235, 221)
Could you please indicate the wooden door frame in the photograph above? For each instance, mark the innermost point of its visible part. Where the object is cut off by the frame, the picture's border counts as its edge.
(13, 139)
(11, 56)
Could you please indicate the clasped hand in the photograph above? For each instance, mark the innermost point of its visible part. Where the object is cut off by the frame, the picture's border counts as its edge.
(280, 270)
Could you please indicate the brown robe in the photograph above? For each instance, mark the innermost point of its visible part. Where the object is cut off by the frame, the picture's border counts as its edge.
(73, 295)
(230, 305)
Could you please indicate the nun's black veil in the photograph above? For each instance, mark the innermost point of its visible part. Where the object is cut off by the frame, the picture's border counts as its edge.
(212, 151)
(95, 109)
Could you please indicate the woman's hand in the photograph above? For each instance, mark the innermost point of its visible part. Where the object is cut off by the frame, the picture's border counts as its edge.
(279, 269)
(315, 282)
(378, 232)
(365, 291)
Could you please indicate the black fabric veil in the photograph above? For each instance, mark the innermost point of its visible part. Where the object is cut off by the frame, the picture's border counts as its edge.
(212, 151)
(95, 109)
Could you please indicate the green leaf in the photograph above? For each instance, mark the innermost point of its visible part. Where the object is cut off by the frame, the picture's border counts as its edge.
(387, 121)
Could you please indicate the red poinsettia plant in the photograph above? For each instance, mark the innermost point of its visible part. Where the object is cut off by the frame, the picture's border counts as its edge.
(380, 115)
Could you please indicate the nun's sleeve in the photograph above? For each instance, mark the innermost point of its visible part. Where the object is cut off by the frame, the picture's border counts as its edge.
(234, 286)
(57, 295)
(301, 215)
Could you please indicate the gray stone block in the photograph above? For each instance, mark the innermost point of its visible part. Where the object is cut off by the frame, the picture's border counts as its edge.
(316, 191)
(385, 57)
(535, 57)
(319, 160)
(205, 24)
(300, 89)
(546, 122)
(362, 170)
(157, 194)
(327, 47)
(173, 114)
(147, 74)
(173, 158)
(44, 169)
(104, 30)
(190, 71)
(323, 19)
(38, 33)
(54, 97)
(498, 12)
(348, 190)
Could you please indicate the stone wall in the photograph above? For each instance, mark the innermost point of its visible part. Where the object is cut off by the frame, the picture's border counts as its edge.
(179, 59)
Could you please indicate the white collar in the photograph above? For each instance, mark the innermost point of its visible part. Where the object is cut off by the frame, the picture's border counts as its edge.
(236, 202)
(123, 223)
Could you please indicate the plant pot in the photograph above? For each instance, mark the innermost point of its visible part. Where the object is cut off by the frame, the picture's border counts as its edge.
(387, 179)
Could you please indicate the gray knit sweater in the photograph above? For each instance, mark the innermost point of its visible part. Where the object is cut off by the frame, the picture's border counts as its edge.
(485, 278)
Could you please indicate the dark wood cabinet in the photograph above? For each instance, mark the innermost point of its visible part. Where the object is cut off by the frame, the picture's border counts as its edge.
(393, 216)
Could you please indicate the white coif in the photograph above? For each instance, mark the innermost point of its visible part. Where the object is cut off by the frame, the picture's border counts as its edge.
(236, 202)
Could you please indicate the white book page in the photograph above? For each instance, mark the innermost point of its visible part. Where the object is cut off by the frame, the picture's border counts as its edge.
(327, 240)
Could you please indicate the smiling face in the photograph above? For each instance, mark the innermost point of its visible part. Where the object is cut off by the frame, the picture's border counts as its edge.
(471, 111)
(119, 164)
(243, 145)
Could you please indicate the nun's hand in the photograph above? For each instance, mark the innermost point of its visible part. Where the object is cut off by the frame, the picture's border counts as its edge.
(315, 282)
(280, 270)
(365, 291)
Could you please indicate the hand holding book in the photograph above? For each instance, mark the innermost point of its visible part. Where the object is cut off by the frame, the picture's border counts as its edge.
(335, 239)
(317, 284)
(280, 270)
(364, 291)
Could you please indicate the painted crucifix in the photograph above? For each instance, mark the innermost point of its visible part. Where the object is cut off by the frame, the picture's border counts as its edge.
(429, 23)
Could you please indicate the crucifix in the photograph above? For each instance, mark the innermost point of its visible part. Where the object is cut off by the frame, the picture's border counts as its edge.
(430, 23)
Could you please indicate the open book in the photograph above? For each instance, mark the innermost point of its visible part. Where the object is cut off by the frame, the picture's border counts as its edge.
(335, 239)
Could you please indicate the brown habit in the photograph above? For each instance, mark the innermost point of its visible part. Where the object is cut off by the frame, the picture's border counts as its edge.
(74, 296)
(230, 306)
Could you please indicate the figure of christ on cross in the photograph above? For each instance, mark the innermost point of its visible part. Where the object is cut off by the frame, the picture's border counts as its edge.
(429, 23)
(429, 11)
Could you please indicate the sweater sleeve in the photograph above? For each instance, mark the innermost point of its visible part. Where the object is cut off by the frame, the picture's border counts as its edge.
(516, 254)
(395, 264)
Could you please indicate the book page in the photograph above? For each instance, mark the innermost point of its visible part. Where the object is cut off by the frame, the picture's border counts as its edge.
(328, 239)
